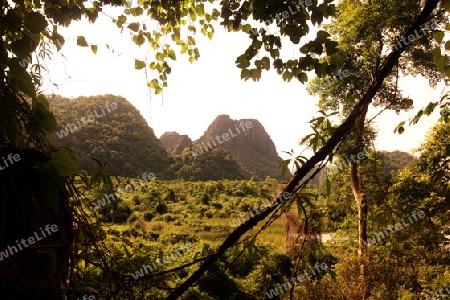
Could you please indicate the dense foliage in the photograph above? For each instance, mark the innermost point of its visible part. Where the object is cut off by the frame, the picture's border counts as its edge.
(119, 139)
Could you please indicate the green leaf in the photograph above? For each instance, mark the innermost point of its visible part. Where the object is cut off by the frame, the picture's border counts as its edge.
(400, 125)
(81, 41)
(320, 69)
(302, 77)
(172, 55)
(35, 22)
(287, 76)
(284, 165)
(330, 47)
(274, 53)
(322, 36)
(192, 14)
(63, 163)
(255, 74)
(265, 63)
(139, 64)
(13, 19)
(43, 116)
(246, 28)
(94, 48)
(120, 20)
(139, 39)
(159, 56)
(200, 9)
(134, 26)
(154, 84)
(136, 11)
(245, 74)
(430, 107)
(21, 79)
(438, 36)
(22, 48)
(318, 48)
(441, 61)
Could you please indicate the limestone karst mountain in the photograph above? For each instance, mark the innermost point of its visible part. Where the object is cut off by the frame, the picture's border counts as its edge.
(110, 130)
(175, 143)
(245, 141)
(249, 144)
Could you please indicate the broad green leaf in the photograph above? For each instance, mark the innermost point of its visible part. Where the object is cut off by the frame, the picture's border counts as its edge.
(172, 55)
(159, 56)
(139, 39)
(154, 84)
(63, 163)
(134, 26)
(302, 77)
(246, 28)
(400, 125)
(136, 11)
(94, 48)
(287, 76)
(330, 47)
(320, 69)
(274, 53)
(245, 74)
(22, 48)
(438, 36)
(430, 107)
(139, 64)
(441, 61)
(121, 20)
(318, 48)
(255, 74)
(284, 165)
(14, 19)
(35, 22)
(200, 9)
(43, 116)
(265, 63)
(192, 14)
(58, 41)
(447, 45)
(21, 79)
(81, 41)
(322, 36)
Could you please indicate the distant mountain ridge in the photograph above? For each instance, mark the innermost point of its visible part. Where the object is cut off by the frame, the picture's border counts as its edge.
(108, 131)
(245, 140)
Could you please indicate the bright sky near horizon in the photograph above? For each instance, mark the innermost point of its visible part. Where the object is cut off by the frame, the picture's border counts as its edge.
(211, 86)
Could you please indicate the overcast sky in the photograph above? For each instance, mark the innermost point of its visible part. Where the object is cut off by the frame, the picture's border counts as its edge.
(211, 86)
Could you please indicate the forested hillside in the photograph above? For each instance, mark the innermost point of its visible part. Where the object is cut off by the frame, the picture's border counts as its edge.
(119, 139)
